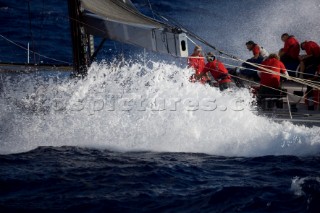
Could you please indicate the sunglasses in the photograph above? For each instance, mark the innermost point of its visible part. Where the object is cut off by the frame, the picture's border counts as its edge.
(211, 58)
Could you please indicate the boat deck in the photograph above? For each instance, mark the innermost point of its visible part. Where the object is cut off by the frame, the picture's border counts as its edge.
(293, 108)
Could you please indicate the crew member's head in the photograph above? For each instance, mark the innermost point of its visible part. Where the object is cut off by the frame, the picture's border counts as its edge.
(284, 37)
(302, 45)
(274, 55)
(197, 50)
(250, 45)
(210, 57)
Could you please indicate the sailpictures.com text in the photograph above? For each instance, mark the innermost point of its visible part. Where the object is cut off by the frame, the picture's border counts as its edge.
(134, 102)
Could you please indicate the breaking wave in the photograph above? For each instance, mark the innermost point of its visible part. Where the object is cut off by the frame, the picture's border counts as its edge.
(133, 107)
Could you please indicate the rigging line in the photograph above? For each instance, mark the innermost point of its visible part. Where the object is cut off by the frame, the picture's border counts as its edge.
(193, 42)
(263, 85)
(22, 47)
(259, 66)
(295, 71)
(298, 80)
(288, 77)
(300, 97)
(30, 30)
(151, 9)
(190, 33)
(244, 79)
(270, 71)
(314, 84)
(136, 12)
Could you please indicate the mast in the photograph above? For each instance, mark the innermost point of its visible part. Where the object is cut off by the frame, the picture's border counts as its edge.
(80, 40)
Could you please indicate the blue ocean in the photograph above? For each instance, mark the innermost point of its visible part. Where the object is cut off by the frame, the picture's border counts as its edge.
(134, 135)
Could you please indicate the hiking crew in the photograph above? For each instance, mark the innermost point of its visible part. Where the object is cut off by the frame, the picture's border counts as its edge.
(274, 65)
(259, 54)
(310, 61)
(218, 71)
(270, 85)
(197, 62)
(289, 54)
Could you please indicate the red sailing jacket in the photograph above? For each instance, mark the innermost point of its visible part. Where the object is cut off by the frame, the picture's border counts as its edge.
(312, 48)
(218, 71)
(292, 47)
(268, 79)
(197, 62)
(256, 50)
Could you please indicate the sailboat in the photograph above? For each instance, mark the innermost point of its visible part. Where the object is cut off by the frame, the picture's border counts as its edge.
(120, 20)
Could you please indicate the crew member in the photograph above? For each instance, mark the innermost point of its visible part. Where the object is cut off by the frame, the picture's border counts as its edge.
(218, 71)
(259, 54)
(289, 54)
(197, 62)
(308, 66)
(270, 77)
(310, 61)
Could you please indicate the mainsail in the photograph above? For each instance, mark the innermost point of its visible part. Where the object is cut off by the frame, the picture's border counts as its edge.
(119, 20)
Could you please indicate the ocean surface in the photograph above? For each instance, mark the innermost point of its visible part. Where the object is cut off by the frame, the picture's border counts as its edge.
(135, 135)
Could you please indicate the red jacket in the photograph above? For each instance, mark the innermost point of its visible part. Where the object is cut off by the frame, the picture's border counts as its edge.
(312, 48)
(256, 50)
(292, 47)
(197, 62)
(268, 79)
(218, 71)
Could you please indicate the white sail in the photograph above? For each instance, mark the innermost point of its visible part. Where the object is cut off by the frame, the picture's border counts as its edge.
(121, 21)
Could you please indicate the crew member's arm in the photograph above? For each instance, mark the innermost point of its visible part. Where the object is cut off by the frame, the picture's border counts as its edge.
(283, 70)
(281, 52)
(203, 73)
(304, 57)
(308, 50)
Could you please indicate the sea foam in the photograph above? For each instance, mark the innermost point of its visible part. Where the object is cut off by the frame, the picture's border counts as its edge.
(137, 107)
